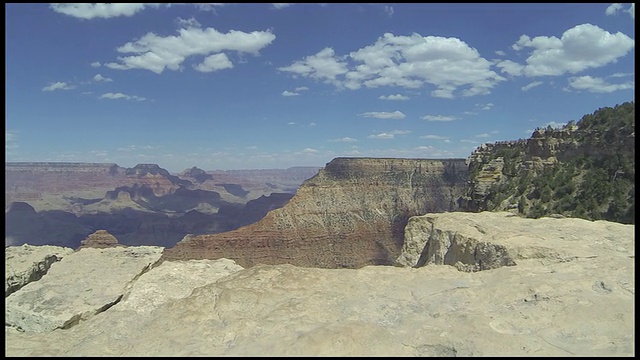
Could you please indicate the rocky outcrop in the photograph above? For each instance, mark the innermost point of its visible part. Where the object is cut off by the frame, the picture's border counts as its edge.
(584, 169)
(489, 240)
(351, 214)
(571, 293)
(81, 285)
(195, 175)
(100, 239)
(27, 263)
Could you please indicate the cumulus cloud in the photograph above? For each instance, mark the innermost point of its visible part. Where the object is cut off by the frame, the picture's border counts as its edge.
(95, 64)
(438, 118)
(301, 88)
(393, 97)
(115, 96)
(404, 61)
(214, 62)
(531, 85)
(597, 85)
(99, 78)
(500, 53)
(289, 93)
(381, 136)
(579, 48)
(615, 8)
(323, 66)
(58, 86)
(434, 137)
(98, 10)
(155, 53)
(384, 115)
(309, 151)
(344, 139)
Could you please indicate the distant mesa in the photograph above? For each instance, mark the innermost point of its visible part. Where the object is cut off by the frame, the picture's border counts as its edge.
(235, 189)
(100, 239)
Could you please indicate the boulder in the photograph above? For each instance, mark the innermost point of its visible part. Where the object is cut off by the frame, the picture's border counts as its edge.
(28, 263)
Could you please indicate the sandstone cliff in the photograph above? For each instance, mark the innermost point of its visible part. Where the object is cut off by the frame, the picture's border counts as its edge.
(351, 214)
(584, 169)
(570, 293)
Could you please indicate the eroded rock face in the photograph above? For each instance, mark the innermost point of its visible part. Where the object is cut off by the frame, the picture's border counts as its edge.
(83, 284)
(351, 214)
(100, 239)
(490, 240)
(571, 293)
(27, 263)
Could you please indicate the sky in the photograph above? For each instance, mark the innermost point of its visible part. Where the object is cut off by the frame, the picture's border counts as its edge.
(276, 85)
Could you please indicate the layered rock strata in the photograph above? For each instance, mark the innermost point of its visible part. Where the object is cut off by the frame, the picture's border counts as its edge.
(351, 214)
(100, 239)
(27, 263)
(571, 293)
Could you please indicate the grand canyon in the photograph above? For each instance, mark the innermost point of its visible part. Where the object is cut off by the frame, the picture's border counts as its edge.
(506, 252)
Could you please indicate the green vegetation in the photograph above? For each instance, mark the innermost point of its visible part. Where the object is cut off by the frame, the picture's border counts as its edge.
(593, 177)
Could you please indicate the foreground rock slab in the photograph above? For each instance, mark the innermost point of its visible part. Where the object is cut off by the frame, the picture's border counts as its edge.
(578, 304)
(28, 263)
(81, 285)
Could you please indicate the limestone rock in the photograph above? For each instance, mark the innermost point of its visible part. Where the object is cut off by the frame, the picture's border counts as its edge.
(174, 280)
(100, 239)
(571, 293)
(27, 263)
(83, 284)
(490, 240)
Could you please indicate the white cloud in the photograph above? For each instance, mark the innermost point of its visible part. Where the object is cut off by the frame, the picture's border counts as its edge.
(393, 97)
(99, 77)
(309, 150)
(620, 75)
(344, 139)
(597, 85)
(511, 68)
(486, 106)
(381, 136)
(400, 132)
(384, 115)
(289, 93)
(500, 52)
(312, 124)
(95, 64)
(404, 61)
(389, 10)
(115, 96)
(301, 88)
(280, 5)
(613, 9)
(214, 62)
(97, 10)
(155, 53)
(438, 118)
(323, 66)
(531, 85)
(291, 123)
(10, 141)
(632, 11)
(434, 137)
(581, 47)
(58, 86)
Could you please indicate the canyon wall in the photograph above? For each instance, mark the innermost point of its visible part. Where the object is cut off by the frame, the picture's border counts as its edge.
(351, 214)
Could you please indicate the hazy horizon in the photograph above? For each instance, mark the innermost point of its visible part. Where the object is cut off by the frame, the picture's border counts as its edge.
(273, 86)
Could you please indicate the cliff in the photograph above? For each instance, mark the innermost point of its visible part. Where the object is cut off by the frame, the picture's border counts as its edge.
(584, 169)
(351, 214)
(571, 292)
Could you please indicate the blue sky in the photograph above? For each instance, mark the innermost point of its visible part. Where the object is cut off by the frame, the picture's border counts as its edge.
(256, 86)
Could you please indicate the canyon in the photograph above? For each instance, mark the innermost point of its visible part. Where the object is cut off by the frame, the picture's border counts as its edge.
(465, 284)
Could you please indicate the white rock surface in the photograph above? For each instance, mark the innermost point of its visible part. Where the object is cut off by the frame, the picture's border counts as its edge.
(27, 263)
(572, 295)
(79, 286)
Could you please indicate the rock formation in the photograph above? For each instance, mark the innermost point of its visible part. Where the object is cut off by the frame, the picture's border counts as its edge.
(585, 170)
(27, 263)
(83, 284)
(571, 292)
(351, 214)
(100, 239)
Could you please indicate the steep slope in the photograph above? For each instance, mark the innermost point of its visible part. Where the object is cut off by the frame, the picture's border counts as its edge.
(351, 214)
(584, 170)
